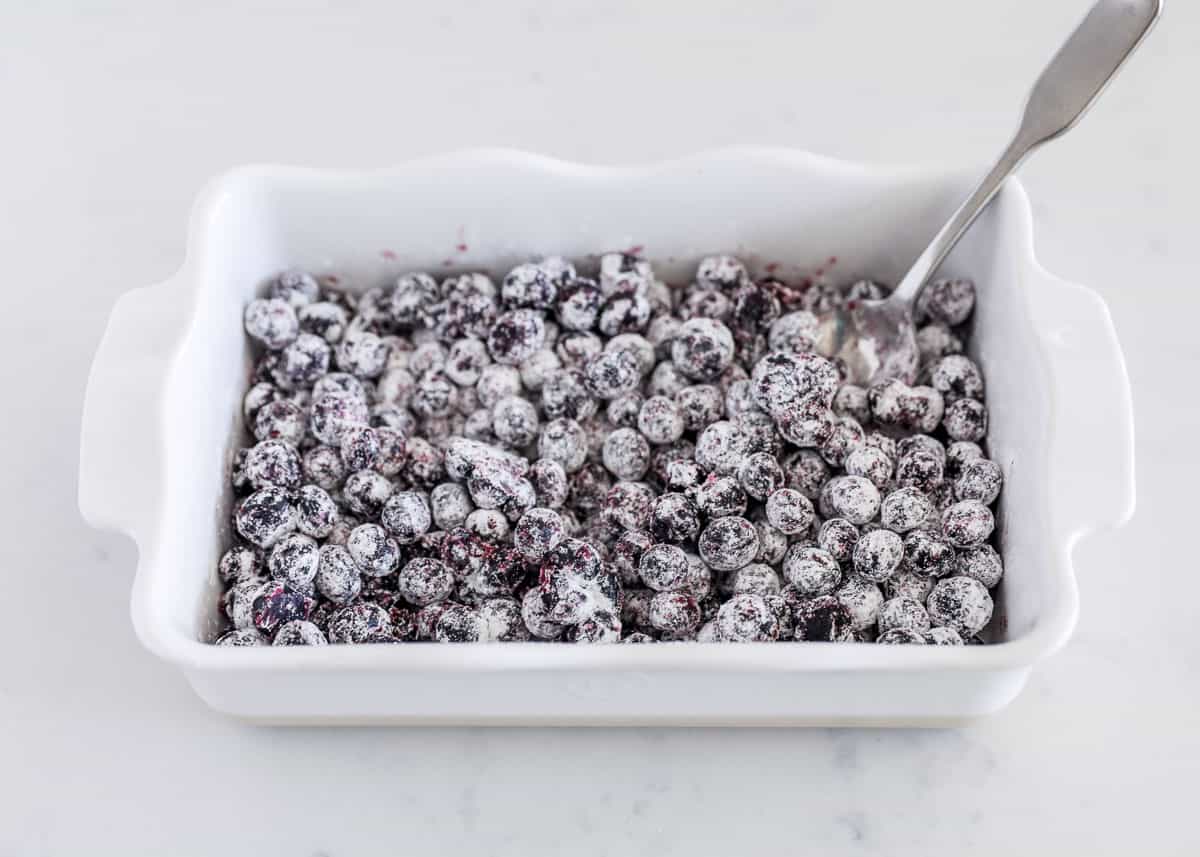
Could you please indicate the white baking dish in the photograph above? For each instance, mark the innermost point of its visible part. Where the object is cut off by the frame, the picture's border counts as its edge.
(163, 401)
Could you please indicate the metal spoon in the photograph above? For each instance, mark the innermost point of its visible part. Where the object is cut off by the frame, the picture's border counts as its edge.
(876, 339)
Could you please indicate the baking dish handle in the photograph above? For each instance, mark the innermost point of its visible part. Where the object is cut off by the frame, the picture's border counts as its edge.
(1093, 413)
(121, 441)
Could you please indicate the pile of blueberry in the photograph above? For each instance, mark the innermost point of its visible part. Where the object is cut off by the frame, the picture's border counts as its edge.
(603, 459)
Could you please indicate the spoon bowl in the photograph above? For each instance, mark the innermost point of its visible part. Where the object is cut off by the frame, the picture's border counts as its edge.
(873, 339)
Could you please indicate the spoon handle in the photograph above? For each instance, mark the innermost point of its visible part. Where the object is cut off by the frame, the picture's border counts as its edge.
(1078, 73)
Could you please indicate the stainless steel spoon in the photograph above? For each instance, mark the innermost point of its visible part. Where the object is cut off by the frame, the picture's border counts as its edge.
(876, 339)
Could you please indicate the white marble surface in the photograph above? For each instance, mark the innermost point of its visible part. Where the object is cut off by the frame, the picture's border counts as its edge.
(114, 114)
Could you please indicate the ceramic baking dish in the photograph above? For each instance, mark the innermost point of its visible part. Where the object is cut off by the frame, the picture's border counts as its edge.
(162, 418)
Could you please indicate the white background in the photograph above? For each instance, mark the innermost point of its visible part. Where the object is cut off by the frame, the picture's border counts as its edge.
(111, 118)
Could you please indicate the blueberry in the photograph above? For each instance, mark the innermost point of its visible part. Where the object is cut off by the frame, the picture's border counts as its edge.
(960, 603)
(515, 421)
(489, 524)
(783, 378)
(598, 626)
(564, 442)
(338, 577)
(280, 420)
(756, 579)
(808, 422)
(324, 319)
(262, 393)
(365, 492)
(903, 612)
(895, 404)
(966, 419)
(516, 336)
(271, 322)
(863, 600)
(789, 511)
(538, 531)
(293, 560)
(575, 348)
(699, 405)
(935, 341)
(680, 474)
(627, 310)
(674, 612)
(273, 464)
(674, 518)
(907, 583)
(276, 605)
(928, 554)
(949, 301)
(298, 288)
(303, 361)
(760, 475)
(805, 471)
(942, 636)
(956, 376)
(747, 618)
(265, 517)
(529, 285)
(845, 438)
(905, 509)
(877, 555)
(240, 562)
(425, 580)
(967, 523)
(901, 636)
(626, 454)
(434, 395)
(242, 637)
(794, 331)
(822, 618)
(500, 621)
(334, 414)
(811, 570)
(549, 480)
(373, 551)
(623, 411)
(871, 463)
(722, 447)
(981, 563)
(852, 401)
(363, 355)
(719, 496)
(851, 497)
(664, 567)
(360, 623)
(754, 310)
(406, 516)
(838, 537)
(702, 349)
(322, 467)
(299, 632)
(628, 505)
(536, 616)
(424, 464)
(725, 273)
(578, 305)
(537, 368)
(919, 469)
(360, 448)
(413, 299)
